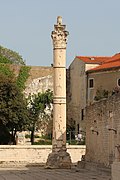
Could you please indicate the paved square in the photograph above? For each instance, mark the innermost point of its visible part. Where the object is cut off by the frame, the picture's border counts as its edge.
(36, 173)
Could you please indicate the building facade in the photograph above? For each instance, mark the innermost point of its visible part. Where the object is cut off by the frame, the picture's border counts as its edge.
(87, 76)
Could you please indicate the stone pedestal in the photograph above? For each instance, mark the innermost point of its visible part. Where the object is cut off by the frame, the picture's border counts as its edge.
(59, 158)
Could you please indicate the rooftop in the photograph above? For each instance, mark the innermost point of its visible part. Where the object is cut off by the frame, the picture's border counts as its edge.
(105, 63)
(93, 59)
(106, 66)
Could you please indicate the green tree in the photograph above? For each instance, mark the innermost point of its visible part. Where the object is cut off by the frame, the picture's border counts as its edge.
(10, 57)
(101, 94)
(5, 70)
(22, 77)
(37, 109)
(4, 60)
(13, 107)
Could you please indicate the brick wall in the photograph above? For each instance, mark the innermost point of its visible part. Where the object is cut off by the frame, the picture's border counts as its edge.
(101, 148)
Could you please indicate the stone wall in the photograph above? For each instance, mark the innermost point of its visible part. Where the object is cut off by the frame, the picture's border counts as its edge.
(40, 78)
(116, 171)
(101, 142)
(11, 155)
(76, 92)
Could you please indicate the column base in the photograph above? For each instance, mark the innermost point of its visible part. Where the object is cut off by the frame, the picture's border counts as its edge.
(59, 159)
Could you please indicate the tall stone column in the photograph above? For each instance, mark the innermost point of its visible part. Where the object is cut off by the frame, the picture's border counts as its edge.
(59, 158)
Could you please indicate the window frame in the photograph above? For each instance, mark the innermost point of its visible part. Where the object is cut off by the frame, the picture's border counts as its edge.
(89, 83)
(117, 82)
(82, 114)
(78, 128)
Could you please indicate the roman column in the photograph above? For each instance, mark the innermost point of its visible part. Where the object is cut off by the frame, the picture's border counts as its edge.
(59, 158)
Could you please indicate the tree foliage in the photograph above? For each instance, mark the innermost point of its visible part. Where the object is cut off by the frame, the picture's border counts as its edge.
(13, 107)
(4, 60)
(22, 77)
(37, 109)
(10, 57)
(5, 70)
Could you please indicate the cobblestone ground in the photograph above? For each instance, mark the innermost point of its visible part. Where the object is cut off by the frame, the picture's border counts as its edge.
(36, 173)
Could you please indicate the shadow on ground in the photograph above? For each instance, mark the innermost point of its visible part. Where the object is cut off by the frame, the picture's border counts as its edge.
(40, 173)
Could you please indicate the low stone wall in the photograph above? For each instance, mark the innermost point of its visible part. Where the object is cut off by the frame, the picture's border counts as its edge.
(76, 152)
(11, 155)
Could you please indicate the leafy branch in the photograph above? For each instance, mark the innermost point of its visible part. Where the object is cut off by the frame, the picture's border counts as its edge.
(22, 77)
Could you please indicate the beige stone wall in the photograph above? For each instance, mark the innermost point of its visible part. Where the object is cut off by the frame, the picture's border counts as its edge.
(39, 71)
(101, 148)
(77, 90)
(40, 79)
(107, 80)
(76, 152)
(25, 155)
(77, 71)
(116, 171)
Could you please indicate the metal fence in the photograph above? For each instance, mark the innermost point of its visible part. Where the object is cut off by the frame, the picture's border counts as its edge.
(74, 138)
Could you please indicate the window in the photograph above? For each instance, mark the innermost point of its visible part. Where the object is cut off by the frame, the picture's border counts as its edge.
(91, 83)
(82, 114)
(118, 82)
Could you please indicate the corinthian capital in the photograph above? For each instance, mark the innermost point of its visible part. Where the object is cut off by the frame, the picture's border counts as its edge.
(59, 35)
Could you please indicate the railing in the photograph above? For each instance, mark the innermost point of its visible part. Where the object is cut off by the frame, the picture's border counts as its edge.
(74, 138)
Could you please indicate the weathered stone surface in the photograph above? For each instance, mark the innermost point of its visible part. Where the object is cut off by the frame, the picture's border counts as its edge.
(22, 155)
(40, 84)
(59, 159)
(40, 78)
(116, 171)
(101, 147)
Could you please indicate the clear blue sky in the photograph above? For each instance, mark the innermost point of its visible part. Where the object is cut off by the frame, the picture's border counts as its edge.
(26, 25)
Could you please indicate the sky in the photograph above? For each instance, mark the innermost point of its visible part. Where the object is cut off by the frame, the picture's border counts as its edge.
(93, 25)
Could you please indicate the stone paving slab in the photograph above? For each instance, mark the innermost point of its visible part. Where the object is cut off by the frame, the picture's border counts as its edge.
(36, 173)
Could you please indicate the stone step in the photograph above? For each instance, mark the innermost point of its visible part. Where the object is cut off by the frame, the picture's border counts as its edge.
(93, 167)
(10, 164)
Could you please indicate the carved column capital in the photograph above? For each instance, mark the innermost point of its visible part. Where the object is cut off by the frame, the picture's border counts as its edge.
(59, 35)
